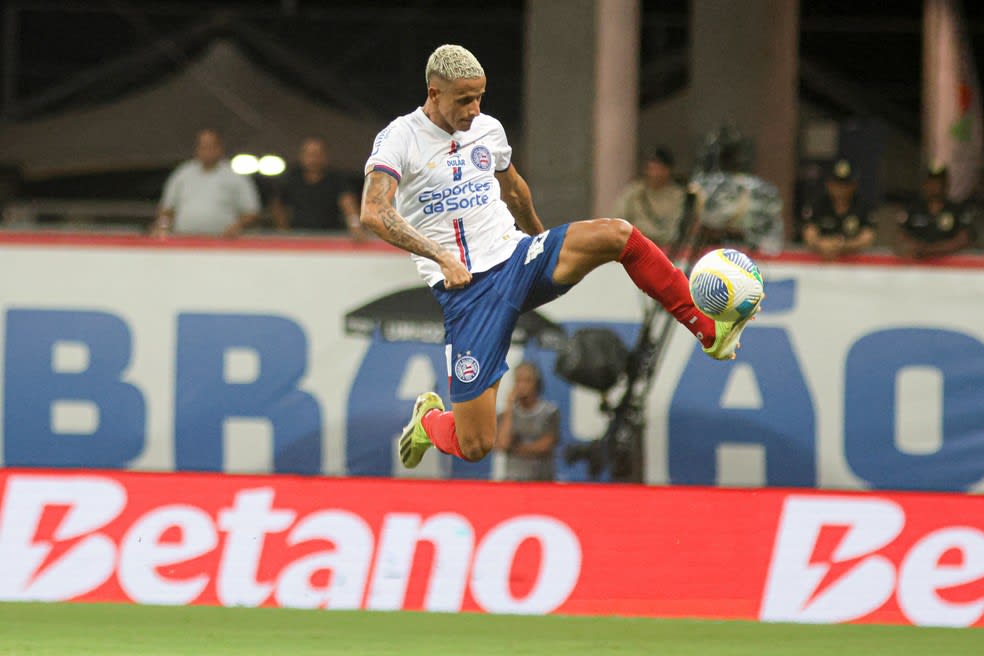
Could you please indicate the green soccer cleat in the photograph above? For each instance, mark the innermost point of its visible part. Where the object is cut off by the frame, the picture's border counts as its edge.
(414, 441)
(727, 334)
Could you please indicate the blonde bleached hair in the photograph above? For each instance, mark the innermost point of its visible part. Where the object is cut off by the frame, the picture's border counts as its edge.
(451, 62)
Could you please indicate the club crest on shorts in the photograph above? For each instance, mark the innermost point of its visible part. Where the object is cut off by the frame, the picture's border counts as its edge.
(481, 158)
(466, 368)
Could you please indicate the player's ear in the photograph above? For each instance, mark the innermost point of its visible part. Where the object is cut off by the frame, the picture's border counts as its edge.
(434, 88)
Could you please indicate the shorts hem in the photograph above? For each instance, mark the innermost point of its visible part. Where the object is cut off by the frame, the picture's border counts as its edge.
(474, 394)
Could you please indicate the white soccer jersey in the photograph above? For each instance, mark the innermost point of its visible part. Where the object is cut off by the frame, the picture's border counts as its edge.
(447, 188)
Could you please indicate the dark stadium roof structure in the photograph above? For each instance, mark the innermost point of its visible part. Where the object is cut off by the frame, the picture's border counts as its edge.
(856, 56)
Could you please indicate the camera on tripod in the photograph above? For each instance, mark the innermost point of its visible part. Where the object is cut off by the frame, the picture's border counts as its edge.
(595, 358)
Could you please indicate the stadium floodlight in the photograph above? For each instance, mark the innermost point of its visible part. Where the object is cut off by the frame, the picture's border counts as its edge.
(272, 165)
(245, 164)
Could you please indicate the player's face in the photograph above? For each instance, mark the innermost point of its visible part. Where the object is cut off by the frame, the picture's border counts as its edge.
(458, 103)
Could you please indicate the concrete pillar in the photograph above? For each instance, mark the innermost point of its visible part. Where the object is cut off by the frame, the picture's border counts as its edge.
(580, 108)
(744, 66)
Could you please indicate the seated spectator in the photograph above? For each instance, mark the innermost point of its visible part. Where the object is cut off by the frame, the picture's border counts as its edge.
(654, 202)
(205, 196)
(934, 226)
(838, 223)
(314, 198)
(528, 429)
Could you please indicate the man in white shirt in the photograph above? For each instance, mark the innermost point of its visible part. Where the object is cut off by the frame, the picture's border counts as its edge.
(205, 196)
(467, 216)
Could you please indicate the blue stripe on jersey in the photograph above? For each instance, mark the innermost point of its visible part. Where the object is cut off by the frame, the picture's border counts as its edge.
(459, 231)
(387, 170)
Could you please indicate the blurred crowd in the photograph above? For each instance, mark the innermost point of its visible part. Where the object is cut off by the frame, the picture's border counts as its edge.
(736, 208)
(205, 196)
(732, 206)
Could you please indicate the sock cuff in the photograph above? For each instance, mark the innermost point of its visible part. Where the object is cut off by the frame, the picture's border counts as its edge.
(631, 244)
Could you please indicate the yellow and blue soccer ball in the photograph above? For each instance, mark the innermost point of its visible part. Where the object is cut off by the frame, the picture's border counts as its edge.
(726, 284)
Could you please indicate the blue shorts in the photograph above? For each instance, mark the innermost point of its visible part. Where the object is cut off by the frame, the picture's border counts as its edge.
(479, 319)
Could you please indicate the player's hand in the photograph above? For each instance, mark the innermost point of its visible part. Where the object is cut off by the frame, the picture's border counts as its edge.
(456, 275)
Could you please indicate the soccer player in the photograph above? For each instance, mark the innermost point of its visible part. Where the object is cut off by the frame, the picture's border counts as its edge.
(458, 203)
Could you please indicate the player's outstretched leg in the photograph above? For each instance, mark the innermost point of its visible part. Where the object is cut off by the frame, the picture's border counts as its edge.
(590, 244)
(655, 274)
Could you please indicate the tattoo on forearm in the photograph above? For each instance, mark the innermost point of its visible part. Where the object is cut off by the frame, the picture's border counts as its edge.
(402, 234)
(395, 228)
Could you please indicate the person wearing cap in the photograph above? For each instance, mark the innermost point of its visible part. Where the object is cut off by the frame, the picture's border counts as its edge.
(654, 202)
(934, 226)
(838, 223)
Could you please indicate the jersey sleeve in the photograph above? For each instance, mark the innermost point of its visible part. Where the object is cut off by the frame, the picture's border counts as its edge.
(501, 150)
(390, 151)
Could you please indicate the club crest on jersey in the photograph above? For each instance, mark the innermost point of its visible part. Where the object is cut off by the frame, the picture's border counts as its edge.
(481, 158)
(466, 368)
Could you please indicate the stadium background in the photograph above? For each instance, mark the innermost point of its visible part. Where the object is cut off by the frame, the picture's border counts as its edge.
(139, 376)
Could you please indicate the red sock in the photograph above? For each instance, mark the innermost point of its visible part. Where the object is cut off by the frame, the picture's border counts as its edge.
(439, 427)
(653, 273)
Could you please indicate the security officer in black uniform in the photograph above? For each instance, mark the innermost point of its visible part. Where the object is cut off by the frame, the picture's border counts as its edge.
(934, 226)
(838, 223)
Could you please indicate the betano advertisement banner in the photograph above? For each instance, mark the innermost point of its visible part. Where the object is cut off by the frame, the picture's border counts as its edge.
(200, 355)
(384, 544)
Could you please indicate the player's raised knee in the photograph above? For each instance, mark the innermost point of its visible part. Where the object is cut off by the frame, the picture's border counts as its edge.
(614, 234)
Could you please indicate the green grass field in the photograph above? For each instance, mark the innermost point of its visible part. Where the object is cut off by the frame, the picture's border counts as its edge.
(79, 629)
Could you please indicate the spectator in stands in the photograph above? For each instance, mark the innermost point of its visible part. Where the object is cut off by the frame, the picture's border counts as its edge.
(934, 226)
(838, 223)
(654, 202)
(314, 198)
(204, 195)
(528, 428)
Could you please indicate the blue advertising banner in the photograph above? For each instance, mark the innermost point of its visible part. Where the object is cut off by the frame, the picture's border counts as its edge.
(861, 375)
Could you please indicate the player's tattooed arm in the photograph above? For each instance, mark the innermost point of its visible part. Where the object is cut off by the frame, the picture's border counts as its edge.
(517, 197)
(379, 215)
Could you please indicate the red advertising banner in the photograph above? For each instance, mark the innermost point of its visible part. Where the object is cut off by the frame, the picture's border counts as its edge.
(776, 555)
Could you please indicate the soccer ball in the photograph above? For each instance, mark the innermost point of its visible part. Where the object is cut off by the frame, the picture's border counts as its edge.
(726, 285)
